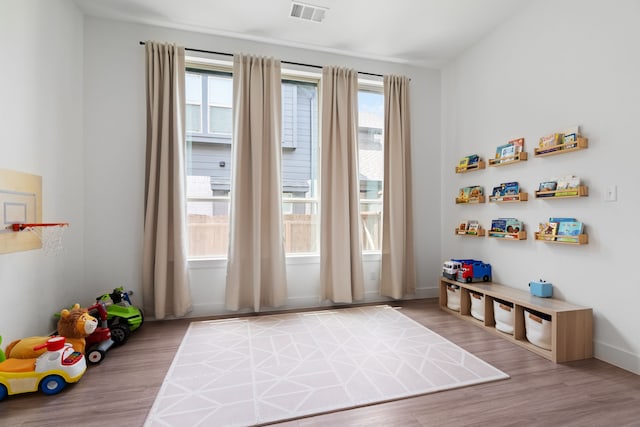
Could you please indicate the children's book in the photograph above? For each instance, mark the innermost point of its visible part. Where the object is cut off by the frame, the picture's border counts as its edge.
(499, 225)
(518, 144)
(549, 231)
(472, 227)
(568, 228)
(513, 226)
(501, 148)
(510, 189)
(508, 153)
(561, 219)
(473, 159)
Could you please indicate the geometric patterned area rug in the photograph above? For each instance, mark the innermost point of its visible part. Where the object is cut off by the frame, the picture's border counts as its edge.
(256, 370)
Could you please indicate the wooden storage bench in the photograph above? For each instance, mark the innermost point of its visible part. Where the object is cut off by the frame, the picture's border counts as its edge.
(571, 325)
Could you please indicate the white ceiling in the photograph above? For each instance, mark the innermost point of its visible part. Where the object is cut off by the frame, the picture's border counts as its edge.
(419, 32)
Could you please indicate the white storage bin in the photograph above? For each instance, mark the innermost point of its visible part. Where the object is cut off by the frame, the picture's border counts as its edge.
(503, 315)
(453, 297)
(477, 305)
(538, 329)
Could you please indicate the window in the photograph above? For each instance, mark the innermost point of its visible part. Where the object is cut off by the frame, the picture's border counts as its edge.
(209, 137)
(371, 165)
(300, 166)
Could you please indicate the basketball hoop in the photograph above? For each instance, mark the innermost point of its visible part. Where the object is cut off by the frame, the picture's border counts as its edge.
(50, 234)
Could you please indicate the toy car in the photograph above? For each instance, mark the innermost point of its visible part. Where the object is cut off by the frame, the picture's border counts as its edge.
(100, 340)
(49, 373)
(122, 316)
(450, 268)
(475, 271)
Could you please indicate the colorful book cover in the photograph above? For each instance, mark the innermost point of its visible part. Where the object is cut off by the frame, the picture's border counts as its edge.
(510, 189)
(518, 144)
(499, 225)
(472, 227)
(561, 219)
(500, 149)
(568, 228)
(513, 226)
(472, 159)
(508, 153)
(549, 231)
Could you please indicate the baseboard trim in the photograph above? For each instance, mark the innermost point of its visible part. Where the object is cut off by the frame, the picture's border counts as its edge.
(616, 356)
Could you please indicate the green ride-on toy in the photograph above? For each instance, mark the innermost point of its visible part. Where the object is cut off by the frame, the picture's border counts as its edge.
(122, 316)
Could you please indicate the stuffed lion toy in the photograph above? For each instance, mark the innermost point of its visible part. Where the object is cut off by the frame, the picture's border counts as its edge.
(74, 325)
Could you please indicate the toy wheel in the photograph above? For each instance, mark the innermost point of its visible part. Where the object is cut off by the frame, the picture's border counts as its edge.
(120, 333)
(3, 392)
(485, 278)
(95, 356)
(52, 384)
(469, 279)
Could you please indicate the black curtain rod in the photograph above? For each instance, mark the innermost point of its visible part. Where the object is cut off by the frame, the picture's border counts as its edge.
(284, 62)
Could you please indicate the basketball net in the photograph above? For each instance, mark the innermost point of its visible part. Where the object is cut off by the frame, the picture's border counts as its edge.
(50, 236)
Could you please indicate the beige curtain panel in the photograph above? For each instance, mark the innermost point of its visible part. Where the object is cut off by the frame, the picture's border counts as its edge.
(256, 262)
(341, 274)
(398, 266)
(165, 279)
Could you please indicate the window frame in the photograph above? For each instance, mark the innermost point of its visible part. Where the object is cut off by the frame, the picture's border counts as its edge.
(367, 85)
(225, 68)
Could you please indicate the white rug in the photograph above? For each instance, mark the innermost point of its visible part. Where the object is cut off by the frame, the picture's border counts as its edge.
(248, 371)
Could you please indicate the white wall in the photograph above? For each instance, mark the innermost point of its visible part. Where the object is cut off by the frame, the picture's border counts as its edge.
(41, 133)
(557, 64)
(114, 160)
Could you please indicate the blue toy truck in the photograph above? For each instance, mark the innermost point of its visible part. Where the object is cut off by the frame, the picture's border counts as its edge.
(475, 271)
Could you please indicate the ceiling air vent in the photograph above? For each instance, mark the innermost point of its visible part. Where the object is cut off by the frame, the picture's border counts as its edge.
(307, 12)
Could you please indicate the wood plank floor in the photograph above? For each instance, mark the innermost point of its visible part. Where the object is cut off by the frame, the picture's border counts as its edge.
(120, 391)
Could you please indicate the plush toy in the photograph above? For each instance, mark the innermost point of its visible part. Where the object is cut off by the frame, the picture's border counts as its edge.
(74, 325)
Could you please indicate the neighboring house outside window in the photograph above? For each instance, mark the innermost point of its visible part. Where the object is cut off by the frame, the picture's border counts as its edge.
(371, 165)
(209, 166)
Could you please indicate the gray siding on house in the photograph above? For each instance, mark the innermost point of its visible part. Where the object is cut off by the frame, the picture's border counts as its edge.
(299, 141)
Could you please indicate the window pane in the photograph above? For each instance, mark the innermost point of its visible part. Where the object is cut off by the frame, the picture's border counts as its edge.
(220, 91)
(300, 166)
(194, 118)
(301, 226)
(208, 225)
(371, 165)
(193, 88)
(220, 120)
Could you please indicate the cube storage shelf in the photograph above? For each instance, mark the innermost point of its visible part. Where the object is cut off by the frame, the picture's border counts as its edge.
(571, 325)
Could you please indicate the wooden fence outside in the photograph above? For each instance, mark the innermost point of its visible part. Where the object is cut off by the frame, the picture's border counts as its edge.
(209, 235)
